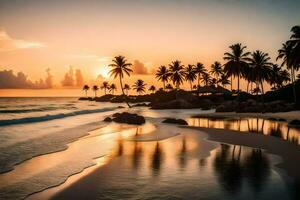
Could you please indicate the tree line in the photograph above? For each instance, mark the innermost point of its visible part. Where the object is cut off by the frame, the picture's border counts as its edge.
(254, 67)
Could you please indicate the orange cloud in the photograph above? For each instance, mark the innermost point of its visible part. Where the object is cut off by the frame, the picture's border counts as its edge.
(7, 43)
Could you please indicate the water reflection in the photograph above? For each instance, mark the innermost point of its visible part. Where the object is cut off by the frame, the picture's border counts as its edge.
(234, 167)
(278, 129)
(157, 158)
(182, 167)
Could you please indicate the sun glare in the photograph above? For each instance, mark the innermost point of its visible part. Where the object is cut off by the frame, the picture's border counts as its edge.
(104, 72)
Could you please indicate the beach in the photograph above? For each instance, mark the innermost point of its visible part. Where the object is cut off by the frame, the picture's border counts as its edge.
(147, 161)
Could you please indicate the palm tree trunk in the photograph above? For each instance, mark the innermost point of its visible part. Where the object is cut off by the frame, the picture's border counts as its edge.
(294, 89)
(262, 92)
(231, 83)
(124, 96)
(105, 91)
(238, 84)
(198, 79)
(85, 93)
(248, 86)
(191, 85)
(164, 84)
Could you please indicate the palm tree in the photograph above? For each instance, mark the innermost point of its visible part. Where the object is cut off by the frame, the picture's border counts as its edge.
(199, 70)
(236, 62)
(169, 87)
(206, 79)
(290, 55)
(139, 86)
(261, 67)
(105, 86)
(224, 80)
(95, 89)
(177, 73)
(112, 88)
(216, 70)
(190, 75)
(127, 88)
(152, 88)
(163, 75)
(120, 66)
(86, 88)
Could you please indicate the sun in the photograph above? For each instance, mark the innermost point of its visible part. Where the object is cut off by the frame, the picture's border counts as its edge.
(104, 72)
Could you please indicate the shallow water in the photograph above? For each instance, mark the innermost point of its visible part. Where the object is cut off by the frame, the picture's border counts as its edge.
(81, 153)
(181, 167)
(273, 128)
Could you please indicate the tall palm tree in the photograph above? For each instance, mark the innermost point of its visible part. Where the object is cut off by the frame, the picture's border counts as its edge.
(162, 74)
(236, 62)
(112, 88)
(190, 75)
(216, 70)
(199, 70)
(177, 73)
(120, 67)
(261, 67)
(105, 86)
(206, 79)
(86, 88)
(95, 89)
(152, 88)
(139, 86)
(127, 88)
(295, 42)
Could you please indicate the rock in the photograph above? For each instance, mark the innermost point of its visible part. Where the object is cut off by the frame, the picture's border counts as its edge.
(139, 105)
(228, 106)
(175, 121)
(294, 122)
(85, 99)
(128, 118)
(121, 107)
(107, 119)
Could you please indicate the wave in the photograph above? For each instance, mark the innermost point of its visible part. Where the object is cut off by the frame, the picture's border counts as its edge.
(52, 117)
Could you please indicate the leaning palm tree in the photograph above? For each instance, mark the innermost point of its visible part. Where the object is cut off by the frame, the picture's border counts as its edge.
(85, 88)
(105, 86)
(199, 70)
(152, 88)
(112, 88)
(177, 73)
(190, 75)
(127, 88)
(95, 89)
(120, 67)
(295, 42)
(261, 68)
(162, 74)
(236, 62)
(216, 70)
(139, 86)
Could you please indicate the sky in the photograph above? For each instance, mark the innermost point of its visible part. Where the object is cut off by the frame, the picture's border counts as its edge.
(47, 41)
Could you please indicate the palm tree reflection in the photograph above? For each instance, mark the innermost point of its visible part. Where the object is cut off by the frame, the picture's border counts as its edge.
(137, 155)
(120, 147)
(257, 169)
(231, 169)
(157, 158)
(182, 154)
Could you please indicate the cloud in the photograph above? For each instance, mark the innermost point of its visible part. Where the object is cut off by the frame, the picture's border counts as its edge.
(72, 79)
(8, 43)
(8, 80)
(139, 67)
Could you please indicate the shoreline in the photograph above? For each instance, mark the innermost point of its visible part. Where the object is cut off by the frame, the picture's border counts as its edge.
(287, 151)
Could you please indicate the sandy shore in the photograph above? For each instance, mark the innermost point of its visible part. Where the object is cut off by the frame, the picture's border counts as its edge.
(290, 153)
(280, 115)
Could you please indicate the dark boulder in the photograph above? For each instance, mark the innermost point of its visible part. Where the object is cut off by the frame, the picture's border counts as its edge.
(128, 118)
(107, 119)
(175, 121)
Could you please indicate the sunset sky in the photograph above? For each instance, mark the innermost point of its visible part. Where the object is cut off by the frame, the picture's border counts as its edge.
(42, 38)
